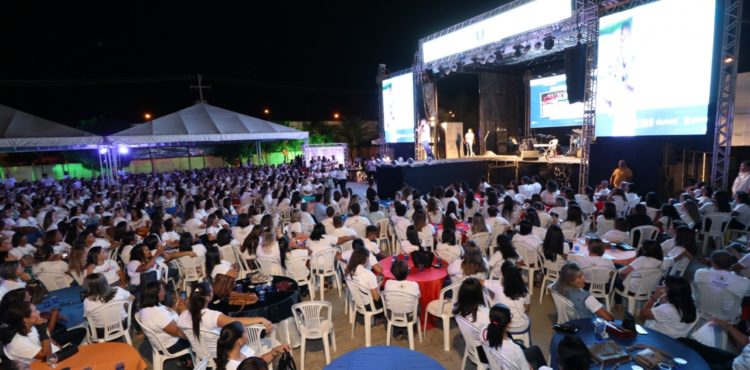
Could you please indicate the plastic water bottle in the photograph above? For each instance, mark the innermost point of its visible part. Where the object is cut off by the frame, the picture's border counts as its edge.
(577, 247)
(261, 293)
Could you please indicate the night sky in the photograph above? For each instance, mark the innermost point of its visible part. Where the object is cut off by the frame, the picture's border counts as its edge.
(304, 60)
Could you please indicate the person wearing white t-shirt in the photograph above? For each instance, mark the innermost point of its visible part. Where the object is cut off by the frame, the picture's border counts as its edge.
(570, 285)
(30, 340)
(448, 246)
(357, 272)
(51, 262)
(319, 240)
(98, 261)
(719, 275)
(372, 262)
(400, 270)
(595, 259)
(671, 309)
(525, 239)
(742, 182)
(470, 303)
(620, 233)
(13, 277)
(513, 293)
(400, 222)
(99, 293)
(650, 258)
(495, 335)
(357, 222)
(741, 211)
(232, 348)
(161, 320)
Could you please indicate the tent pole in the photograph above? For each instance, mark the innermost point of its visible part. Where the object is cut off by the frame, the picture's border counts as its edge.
(190, 165)
(151, 156)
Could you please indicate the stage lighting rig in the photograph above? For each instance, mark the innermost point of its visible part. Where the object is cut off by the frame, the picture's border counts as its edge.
(518, 48)
(549, 42)
(491, 58)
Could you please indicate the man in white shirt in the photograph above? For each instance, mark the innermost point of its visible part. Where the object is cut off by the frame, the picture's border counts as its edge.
(342, 231)
(357, 222)
(400, 269)
(328, 221)
(742, 182)
(525, 189)
(720, 276)
(400, 223)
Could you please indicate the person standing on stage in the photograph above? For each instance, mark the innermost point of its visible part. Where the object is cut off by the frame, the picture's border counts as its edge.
(459, 150)
(423, 131)
(742, 182)
(469, 139)
(621, 173)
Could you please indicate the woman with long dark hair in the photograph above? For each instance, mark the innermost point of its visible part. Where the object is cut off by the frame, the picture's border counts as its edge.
(448, 244)
(216, 265)
(357, 271)
(198, 317)
(650, 256)
(573, 221)
(472, 264)
(496, 335)
(554, 246)
(98, 261)
(98, 292)
(160, 319)
(606, 221)
(504, 251)
(470, 303)
(424, 229)
(509, 211)
(511, 291)
(671, 309)
(232, 349)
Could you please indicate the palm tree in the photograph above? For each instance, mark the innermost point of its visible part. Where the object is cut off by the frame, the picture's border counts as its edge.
(356, 133)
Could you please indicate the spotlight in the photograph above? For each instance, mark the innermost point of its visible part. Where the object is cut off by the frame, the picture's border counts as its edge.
(103, 150)
(518, 50)
(527, 47)
(538, 45)
(482, 60)
(728, 60)
(491, 58)
(454, 68)
(122, 149)
(549, 42)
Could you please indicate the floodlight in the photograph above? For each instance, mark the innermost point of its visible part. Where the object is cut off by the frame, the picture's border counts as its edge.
(122, 149)
(103, 150)
(549, 42)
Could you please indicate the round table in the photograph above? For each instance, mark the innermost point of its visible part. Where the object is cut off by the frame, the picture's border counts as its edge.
(617, 256)
(100, 356)
(653, 338)
(276, 307)
(430, 281)
(384, 357)
(461, 227)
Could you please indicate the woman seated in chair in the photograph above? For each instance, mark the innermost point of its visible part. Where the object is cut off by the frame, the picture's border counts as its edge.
(13, 277)
(216, 265)
(449, 245)
(650, 257)
(620, 233)
(97, 261)
(356, 271)
(269, 249)
(473, 264)
(570, 285)
(98, 292)
(504, 251)
(606, 221)
(471, 303)
(496, 336)
(162, 320)
(478, 225)
(412, 242)
(48, 261)
(671, 309)
(554, 247)
(572, 222)
(512, 292)
(232, 348)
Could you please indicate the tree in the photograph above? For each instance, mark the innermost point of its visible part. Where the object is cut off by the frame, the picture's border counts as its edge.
(234, 153)
(356, 133)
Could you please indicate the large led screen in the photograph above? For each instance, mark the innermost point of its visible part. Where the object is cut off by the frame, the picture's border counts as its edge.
(398, 108)
(549, 106)
(654, 69)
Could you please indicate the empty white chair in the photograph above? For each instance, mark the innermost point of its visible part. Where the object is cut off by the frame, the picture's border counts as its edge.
(713, 227)
(649, 279)
(159, 350)
(111, 314)
(443, 308)
(551, 273)
(565, 309)
(382, 225)
(257, 344)
(472, 339)
(270, 266)
(314, 322)
(364, 305)
(601, 283)
(717, 302)
(401, 311)
(296, 268)
(641, 233)
(203, 348)
(53, 280)
(482, 240)
(323, 264)
(191, 270)
(531, 265)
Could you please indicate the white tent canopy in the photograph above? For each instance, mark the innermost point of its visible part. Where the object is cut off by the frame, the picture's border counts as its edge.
(203, 123)
(23, 132)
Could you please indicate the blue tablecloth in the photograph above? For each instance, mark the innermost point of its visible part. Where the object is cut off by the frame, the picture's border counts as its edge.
(382, 358)
(68, 301)
(653, 338)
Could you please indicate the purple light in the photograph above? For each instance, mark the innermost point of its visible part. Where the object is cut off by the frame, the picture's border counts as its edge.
(123, 149)
(103, 150)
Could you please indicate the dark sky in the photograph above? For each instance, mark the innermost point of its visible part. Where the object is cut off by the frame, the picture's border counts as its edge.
(302, 59)
(68, 61)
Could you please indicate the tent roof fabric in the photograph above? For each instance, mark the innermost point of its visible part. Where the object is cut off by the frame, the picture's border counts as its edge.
(20, 131)
(204, 123)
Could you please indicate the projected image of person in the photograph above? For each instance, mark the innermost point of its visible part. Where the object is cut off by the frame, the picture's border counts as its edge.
(390, 112)
(618, 90)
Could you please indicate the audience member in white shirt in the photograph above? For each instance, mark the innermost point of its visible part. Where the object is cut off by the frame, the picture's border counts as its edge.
(594, 259)
(525, 239)
(620, 233)
(400, 223)
(497, 224)
(741, 211)
(357, 222)
(495, 335)
(357, 272)
(448, 247)
(671, 310)
(550, 193)
(719, 275)
(513, 293)
(232, 348)
(98, 292)
(400, 270)
(472, 264)
(650, 258)
(411, 243)
(98, 261)
(470, 303)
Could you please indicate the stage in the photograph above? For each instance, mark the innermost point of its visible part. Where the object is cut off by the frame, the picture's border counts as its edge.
(499, 169)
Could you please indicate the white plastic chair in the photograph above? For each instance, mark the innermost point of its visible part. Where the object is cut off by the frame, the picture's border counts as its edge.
(565, 309)
(649, 280)
(314, 324)
(446, 255)
(601, 283)
(202, 365)
(586, 205)
(205, 348)
(159, 350)
(443, 308)
(270, 266)
(717, 302)
(382, 225)
(718, 226)
(735, 233)
(531, 264)
(497, 361)
(551, 273)
(296, 268)
(472, 339)
(482, 240)
(256, 343)
(241, 262)
(110, 314)
(641, 233)
(364, 304)
(401, 310)
(323, 264)
(54, 280)
(191, 270)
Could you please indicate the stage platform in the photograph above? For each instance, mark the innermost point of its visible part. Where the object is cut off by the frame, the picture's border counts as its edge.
(499, 169)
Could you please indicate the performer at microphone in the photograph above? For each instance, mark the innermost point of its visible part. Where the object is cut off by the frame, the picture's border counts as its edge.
(469, 139)
(423, 132)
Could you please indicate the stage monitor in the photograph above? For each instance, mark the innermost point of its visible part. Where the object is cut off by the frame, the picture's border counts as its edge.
(549, 106)
(654, 69)
(398, 108)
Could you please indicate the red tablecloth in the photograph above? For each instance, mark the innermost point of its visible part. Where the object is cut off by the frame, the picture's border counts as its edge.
(614, 254)
(430, 282)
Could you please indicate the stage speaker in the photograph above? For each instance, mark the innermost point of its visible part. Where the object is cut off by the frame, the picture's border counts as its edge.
(501, 140)
(530, 154)
(502, 148)
(575, 72)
